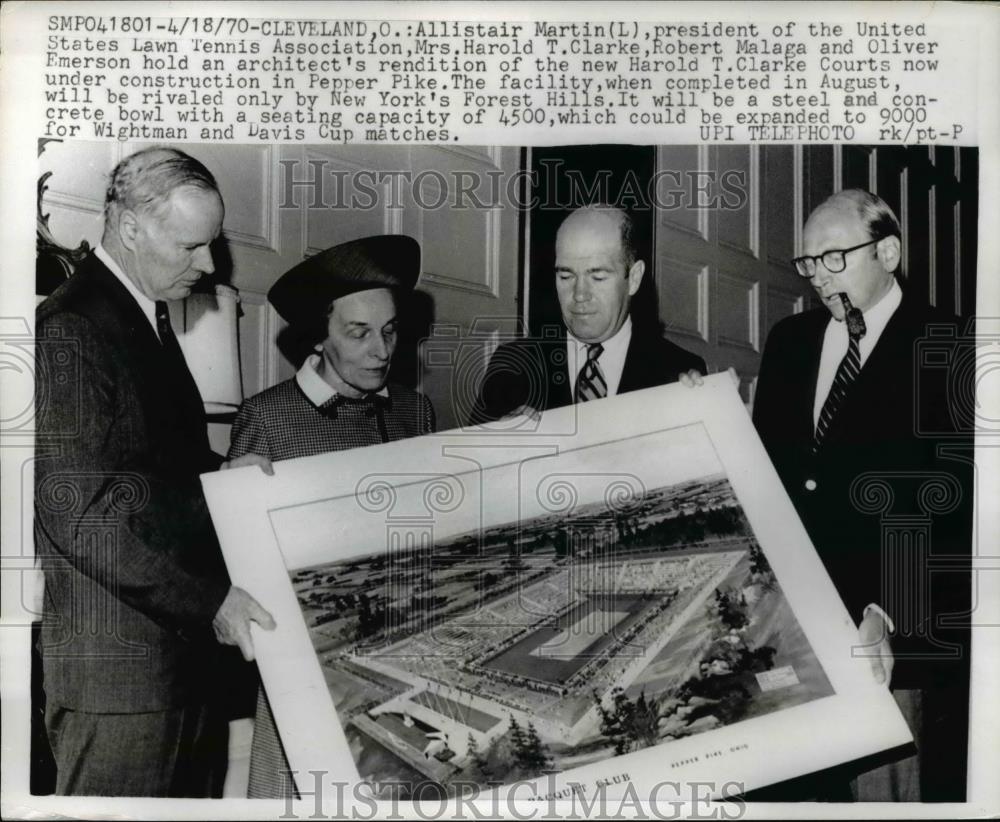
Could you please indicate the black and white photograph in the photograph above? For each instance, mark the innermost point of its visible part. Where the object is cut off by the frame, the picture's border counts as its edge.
(502, 407)
(432, 339)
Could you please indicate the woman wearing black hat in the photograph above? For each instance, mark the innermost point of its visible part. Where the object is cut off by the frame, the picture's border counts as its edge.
(344, 298)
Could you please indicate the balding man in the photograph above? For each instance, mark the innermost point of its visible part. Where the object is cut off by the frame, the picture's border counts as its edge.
(597, 273)
(858, 425)
(134, 578)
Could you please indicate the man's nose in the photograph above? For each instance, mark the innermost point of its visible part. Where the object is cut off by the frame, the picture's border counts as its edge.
(821, 276)
(203, 261)
(581, 289)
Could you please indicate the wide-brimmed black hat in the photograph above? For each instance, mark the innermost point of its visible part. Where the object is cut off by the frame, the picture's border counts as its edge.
(304, 293)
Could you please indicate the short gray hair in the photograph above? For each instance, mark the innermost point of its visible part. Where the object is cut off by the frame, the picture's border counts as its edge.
(875, 214)
(143, 181)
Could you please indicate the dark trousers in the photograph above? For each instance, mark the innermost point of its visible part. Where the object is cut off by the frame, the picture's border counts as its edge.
(897, 781)
(934, 772)
(938, 720)
(176, 753)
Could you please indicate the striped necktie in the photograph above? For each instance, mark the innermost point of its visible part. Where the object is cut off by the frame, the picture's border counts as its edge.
(590, 383)
(847, 372)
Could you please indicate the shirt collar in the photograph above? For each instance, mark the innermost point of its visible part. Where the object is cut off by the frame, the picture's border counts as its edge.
(836, 343)
(614, 347)
(876, 319)
(317, 390)
(612, 359)
(147, 305)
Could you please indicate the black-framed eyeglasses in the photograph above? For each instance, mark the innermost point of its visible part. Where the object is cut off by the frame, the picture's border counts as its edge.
(834, 260)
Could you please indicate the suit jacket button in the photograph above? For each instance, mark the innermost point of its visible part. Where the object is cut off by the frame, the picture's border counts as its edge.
(810, 485)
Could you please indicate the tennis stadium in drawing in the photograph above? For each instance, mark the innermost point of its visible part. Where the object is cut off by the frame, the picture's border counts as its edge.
(557, 641)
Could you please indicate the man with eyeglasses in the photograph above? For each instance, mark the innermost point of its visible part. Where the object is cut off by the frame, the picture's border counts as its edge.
(838, 398)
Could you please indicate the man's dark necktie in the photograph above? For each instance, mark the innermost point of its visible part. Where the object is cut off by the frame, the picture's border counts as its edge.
(166, 332)
(847, 372)
(590, 383)
(182, 378)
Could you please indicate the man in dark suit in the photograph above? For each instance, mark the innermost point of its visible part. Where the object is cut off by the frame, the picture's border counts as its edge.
(861, 433)
(602, 353)
(134, 578)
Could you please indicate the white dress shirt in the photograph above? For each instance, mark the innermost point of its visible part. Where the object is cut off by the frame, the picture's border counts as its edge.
(147, 305)
(612, 359)
(836, 341)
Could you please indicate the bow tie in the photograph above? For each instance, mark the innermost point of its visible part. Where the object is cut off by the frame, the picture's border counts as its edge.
(370, 403)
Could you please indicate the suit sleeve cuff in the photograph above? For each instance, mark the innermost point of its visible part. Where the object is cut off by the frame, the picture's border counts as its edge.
(871, 607)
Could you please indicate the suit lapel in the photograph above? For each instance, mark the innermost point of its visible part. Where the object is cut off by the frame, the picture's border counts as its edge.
(813, 352)
(128, 318)
(885, 355)
(635, 371)
(652, 361)
(165, 383)
(802, 399)
(882, 368)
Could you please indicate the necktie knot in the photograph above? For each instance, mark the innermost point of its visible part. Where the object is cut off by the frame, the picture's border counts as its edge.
(590, 382)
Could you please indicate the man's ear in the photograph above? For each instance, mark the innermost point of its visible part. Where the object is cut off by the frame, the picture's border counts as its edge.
(635, 276)
(128, 229)
(889, 252)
